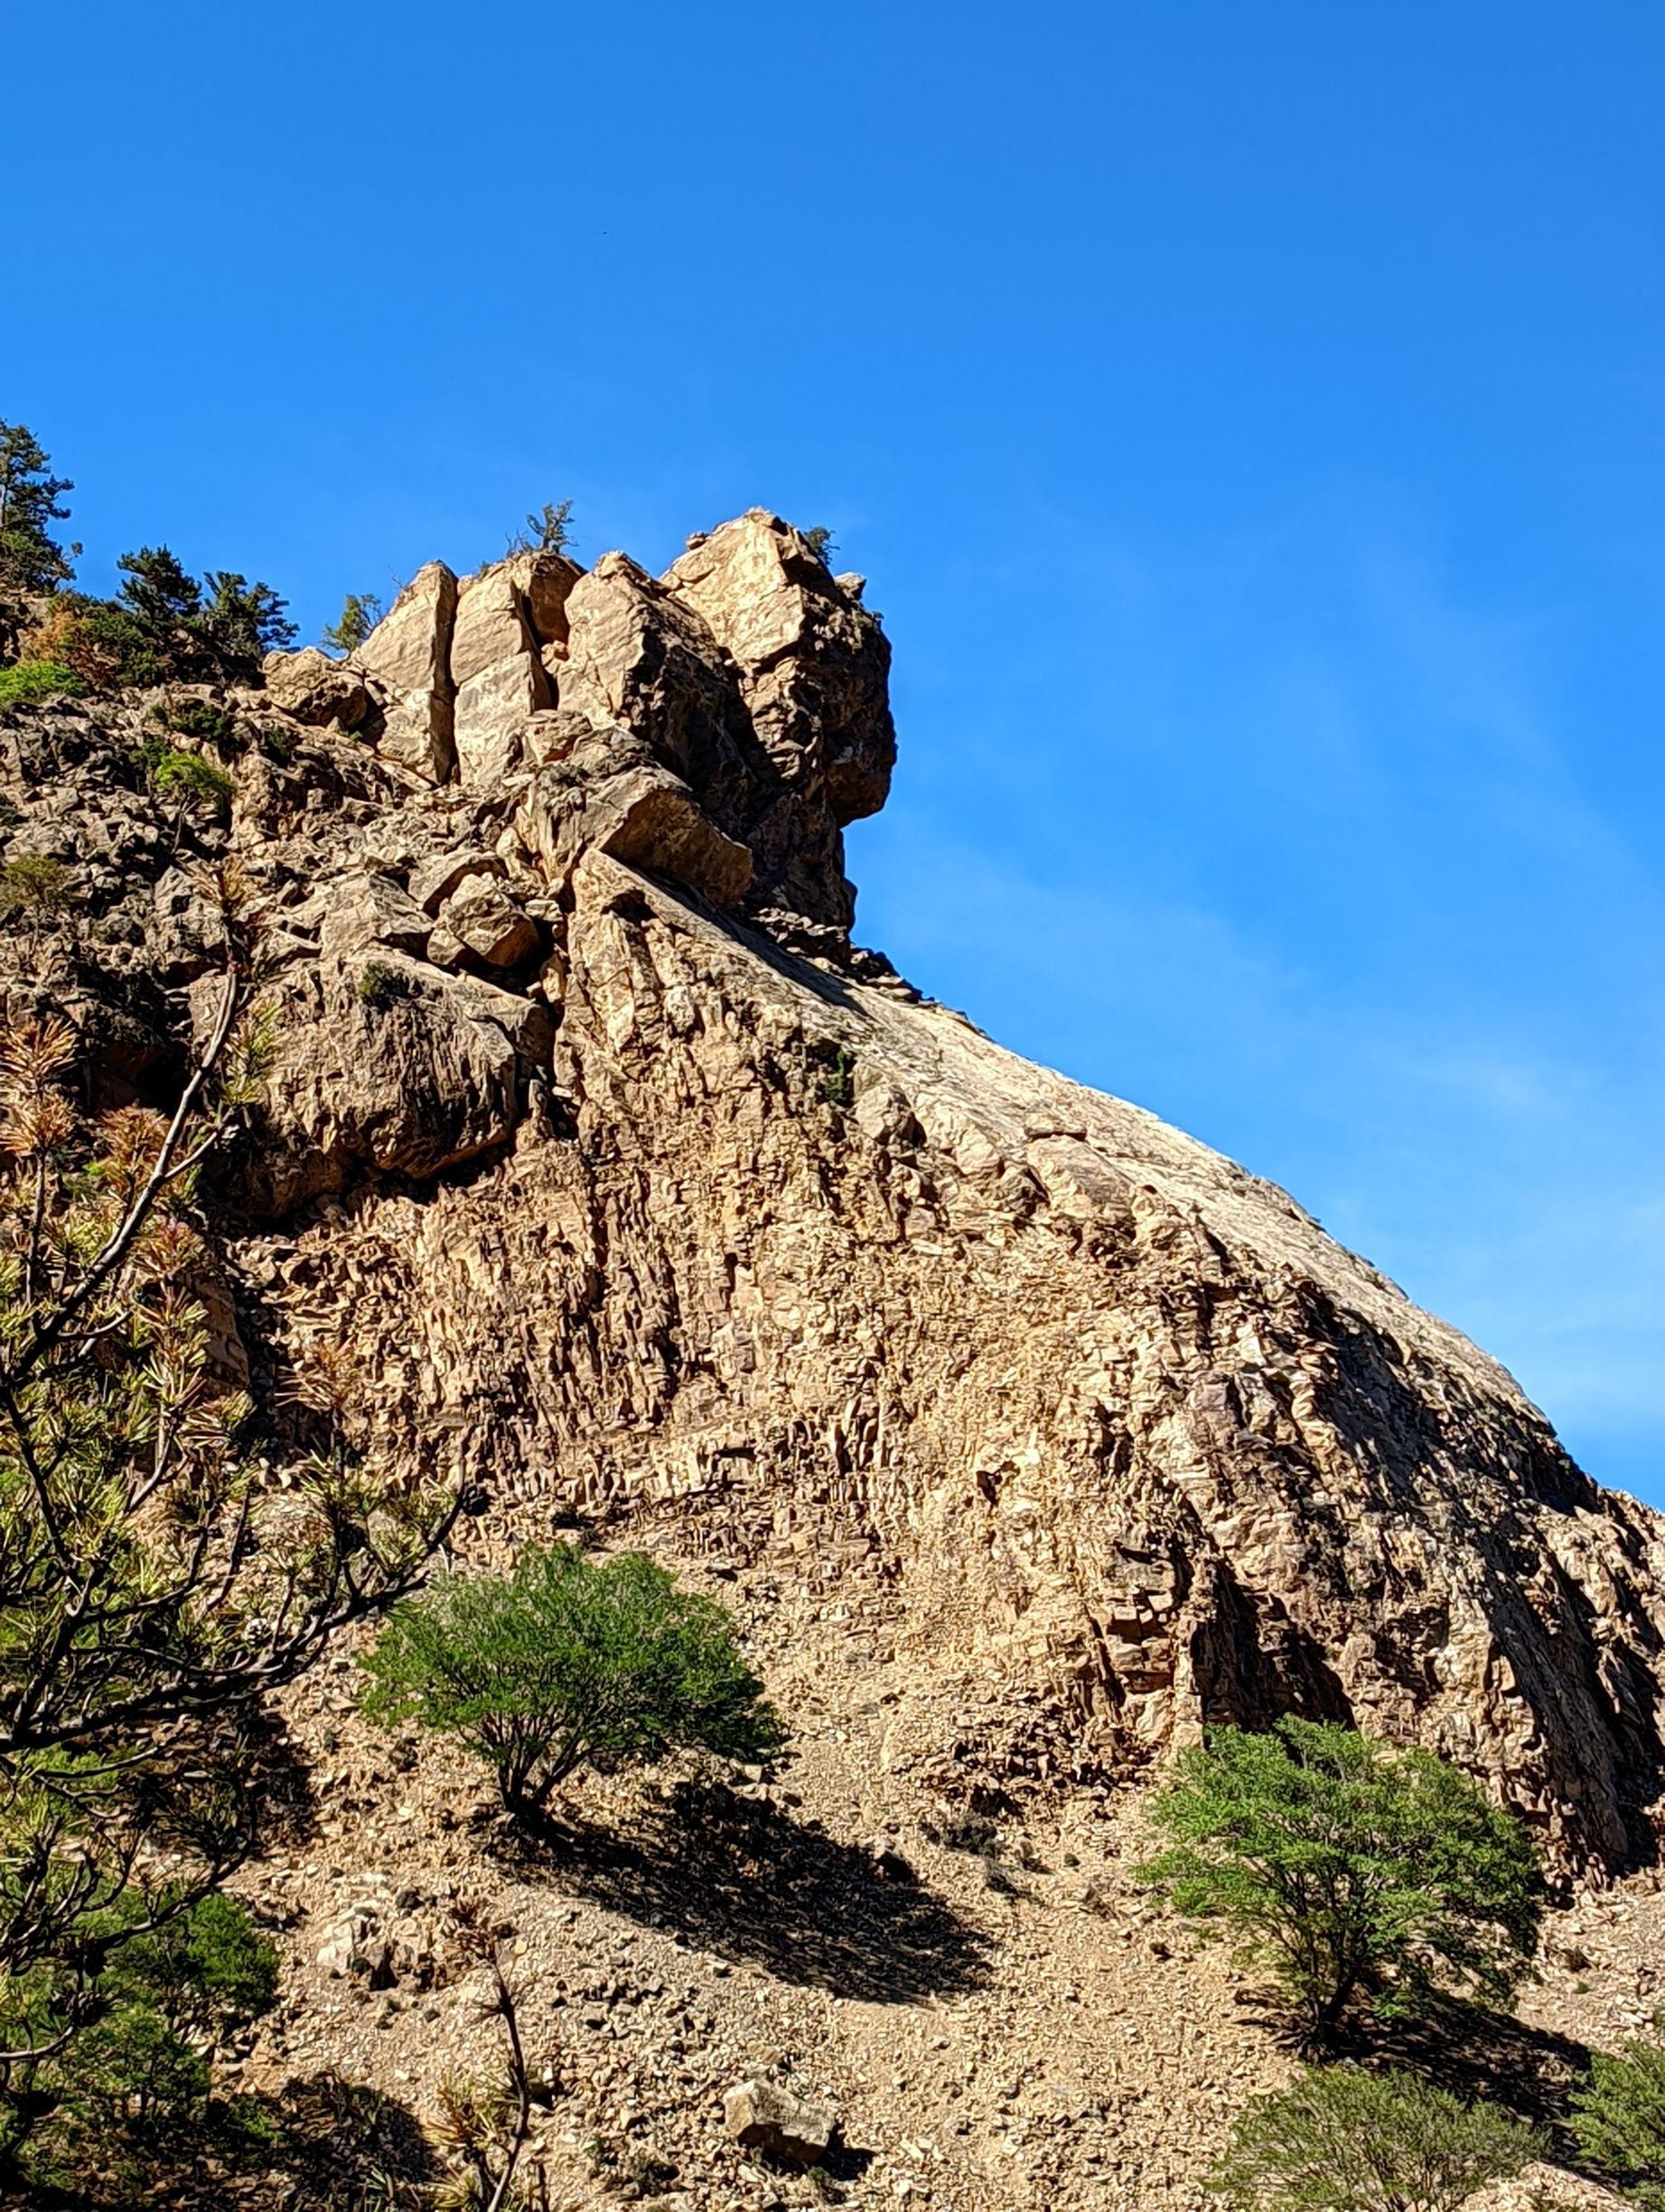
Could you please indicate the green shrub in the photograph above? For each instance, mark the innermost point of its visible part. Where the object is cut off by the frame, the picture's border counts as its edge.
(1344, 2141)
(376, 984)
(139, 2068)
(35, 887)
(171, 772)
(569, 1662)
(821, 543)
(837, 1085)
(31, 681)
(1618, 2118)
(1352, 1869)
(195, 718)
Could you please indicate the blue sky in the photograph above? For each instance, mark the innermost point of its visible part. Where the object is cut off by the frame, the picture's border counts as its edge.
(1251, 421)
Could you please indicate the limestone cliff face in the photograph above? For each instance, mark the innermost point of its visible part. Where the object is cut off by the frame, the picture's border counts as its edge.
(672, 1215)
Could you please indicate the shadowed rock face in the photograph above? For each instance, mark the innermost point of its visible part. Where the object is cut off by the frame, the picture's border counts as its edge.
(616, 1163)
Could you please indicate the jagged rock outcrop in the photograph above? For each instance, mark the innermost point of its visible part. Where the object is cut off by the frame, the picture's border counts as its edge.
(618, 1165)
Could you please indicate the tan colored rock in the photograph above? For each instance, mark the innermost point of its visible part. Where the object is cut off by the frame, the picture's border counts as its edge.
(371, 910)
(499, 677)
(642, 815)
(388, 1063)
(482, 917)
(434, 879)
(315, 688)
(814, 664)
(765, 2117)
(546, 581)
(1032, 1435)
(407, 658)
(638, 658)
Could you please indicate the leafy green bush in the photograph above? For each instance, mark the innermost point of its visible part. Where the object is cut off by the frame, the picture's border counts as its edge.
(139, 2069)
(1618, 2118)
(31, 681)
(1344, 2141)
(195, 718)
(172, 772)
(376, 984)
(36, 887)
(569, 1662)
(1352, 1869)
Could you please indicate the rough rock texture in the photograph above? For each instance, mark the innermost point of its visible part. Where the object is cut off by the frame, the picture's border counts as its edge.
(407, 658)
(315, 688)
(1090, 1435)
(765, 2117)
(1021, 1433)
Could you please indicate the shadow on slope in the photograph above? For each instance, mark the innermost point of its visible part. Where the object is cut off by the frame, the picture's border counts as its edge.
(1530, 2071)
(742, 1879)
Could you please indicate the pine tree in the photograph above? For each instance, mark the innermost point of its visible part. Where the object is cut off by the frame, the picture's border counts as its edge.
(31, 562)
(361, 613)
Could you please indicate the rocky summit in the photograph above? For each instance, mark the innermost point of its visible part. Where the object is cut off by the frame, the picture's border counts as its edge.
(1023, 1434)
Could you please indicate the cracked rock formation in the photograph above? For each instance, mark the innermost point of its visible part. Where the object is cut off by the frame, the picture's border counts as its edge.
(682, 1219)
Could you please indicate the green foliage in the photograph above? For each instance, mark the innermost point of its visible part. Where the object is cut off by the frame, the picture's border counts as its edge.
(31, 681)
(174, 772)
(195, 718)
(837, 1085)
(549, 531)
(135, 2082)
(361, 613)
(35, 887)
(1353, 1868)
(31, 562)
(155, 1581)
(568, 1660)
(821, 543)
(164, 625)
(242, 622)
(1344, 2141)
(376, 984)
(1618, 2118)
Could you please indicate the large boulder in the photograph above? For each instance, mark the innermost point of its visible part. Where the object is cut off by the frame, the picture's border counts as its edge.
(814, 664)
(385, 1061)
(485, 920)
(315, 688)
(408, 659)
(546, 581)
(499, 677)
(640, 814)
(637, 658)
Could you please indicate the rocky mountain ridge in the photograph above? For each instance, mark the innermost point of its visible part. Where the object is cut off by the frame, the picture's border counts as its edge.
(637, 1187)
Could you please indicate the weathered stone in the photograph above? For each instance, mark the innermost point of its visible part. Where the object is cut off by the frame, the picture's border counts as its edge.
(638, 658)
(433, 880)
(315, 688)
(814, 664)
(641, 815)
(400, 1067)
(407, 660)
(1092, 1438)
(546, 581)
(373, 910)
(483, 917)
(770, 2119)
(499, 679)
